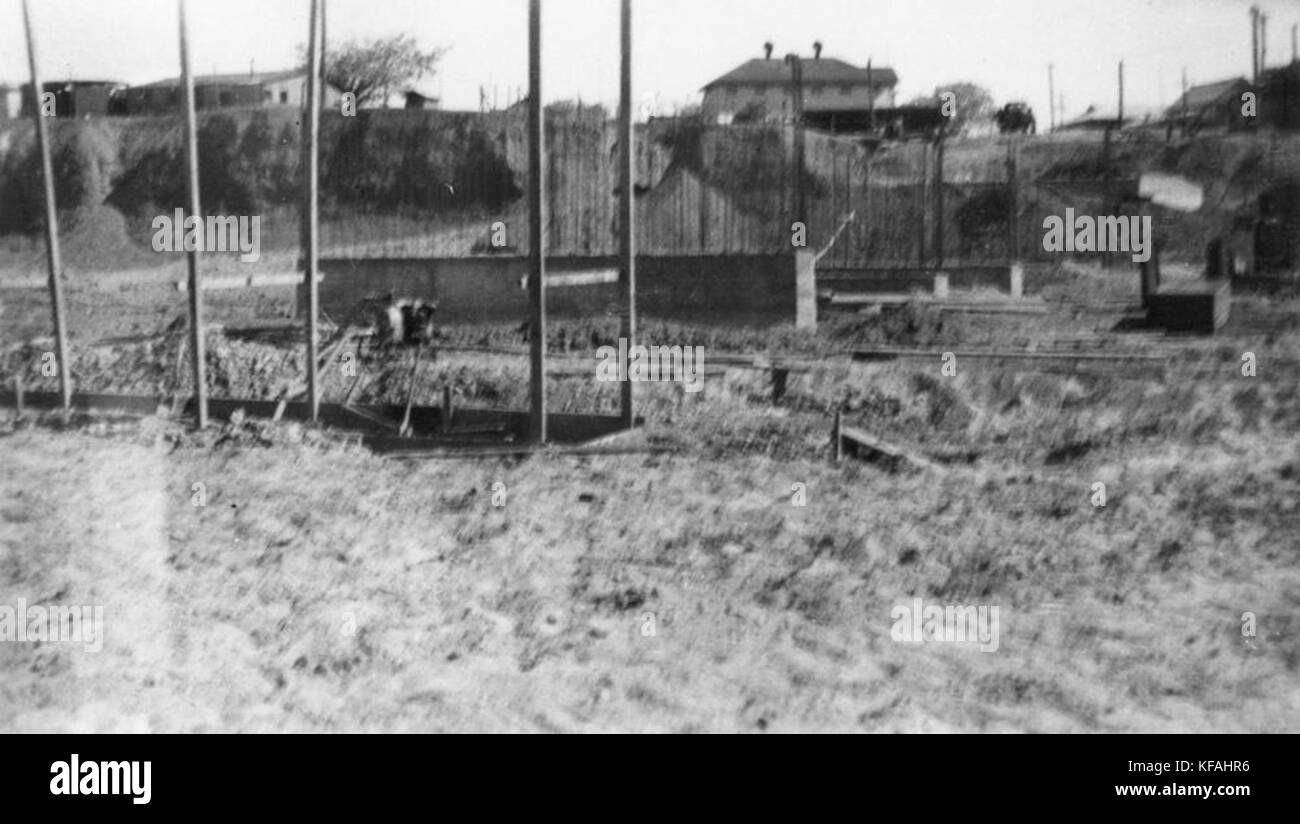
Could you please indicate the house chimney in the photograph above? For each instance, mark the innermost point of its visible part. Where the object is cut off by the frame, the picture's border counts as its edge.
(767, 50)
(817, 50)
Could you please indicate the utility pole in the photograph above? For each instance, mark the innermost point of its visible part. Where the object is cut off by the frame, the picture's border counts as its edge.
(536, 221)
(1293, 52)
(1119, 119)
(1184, 116)
(871, 99)
(626, 204)
(311, 201)
(1263, 42)
(1051, 97)
(1254, 44)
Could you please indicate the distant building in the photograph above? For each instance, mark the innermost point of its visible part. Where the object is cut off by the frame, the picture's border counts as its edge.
(1279, 96)
(1211, 105)
(11, 102)
(1094, 119)
(225, 91)
(420, 99)
(889, 122)
(72, 98)
(760, 89)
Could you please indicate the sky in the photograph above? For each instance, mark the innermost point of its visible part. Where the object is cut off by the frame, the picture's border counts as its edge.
(679, 45)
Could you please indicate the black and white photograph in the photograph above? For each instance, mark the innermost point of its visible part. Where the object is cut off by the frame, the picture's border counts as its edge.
(650, 366)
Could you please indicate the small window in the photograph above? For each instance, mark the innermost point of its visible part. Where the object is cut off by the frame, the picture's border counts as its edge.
(284, 97)
(846, 88)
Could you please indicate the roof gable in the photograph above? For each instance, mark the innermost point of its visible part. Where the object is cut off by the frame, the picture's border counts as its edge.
(773, 72)
(1209, 93)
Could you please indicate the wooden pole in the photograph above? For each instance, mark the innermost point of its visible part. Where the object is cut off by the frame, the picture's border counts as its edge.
(871, 99)
(922, 201)
(196, 213)
(627, 214)
(53, 258)
(1184, 102)
(797, 137)
(1255, 43)
(837, 437)
(311, 193)
(1119, 120)
(537, 221)
(1051, 97)
(1106, 204)
(938, 200)
(1013, 217)
(1263, 42)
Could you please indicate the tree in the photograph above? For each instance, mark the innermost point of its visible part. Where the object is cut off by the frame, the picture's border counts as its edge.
(373, 69)
(972, 104)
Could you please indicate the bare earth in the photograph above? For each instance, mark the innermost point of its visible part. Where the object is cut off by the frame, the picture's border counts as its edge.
(321, 588)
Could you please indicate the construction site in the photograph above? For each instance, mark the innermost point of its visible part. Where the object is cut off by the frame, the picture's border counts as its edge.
(374, 478)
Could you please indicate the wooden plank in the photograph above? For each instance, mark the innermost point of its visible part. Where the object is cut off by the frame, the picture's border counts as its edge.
(889, 353)
(864, 444)
(432, 452)
(593, 277)
(1028, 306)
(376, 418)
(272, 279)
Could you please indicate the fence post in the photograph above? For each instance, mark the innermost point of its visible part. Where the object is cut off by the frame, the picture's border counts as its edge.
(924, 203)
(1016, 286)
(938, 200)
(53, 257)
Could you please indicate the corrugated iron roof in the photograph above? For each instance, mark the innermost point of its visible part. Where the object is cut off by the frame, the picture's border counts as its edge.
(1208, 94)
(776, 72)
(236, 79)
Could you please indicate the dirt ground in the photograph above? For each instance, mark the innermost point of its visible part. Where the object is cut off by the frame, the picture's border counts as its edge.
(324, 589)
(740, 581)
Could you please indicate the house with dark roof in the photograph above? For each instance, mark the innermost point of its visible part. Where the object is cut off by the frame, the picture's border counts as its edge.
(760, 89)
(225, 91)
(418, 97)
(1279, 96)
(1211, 105)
